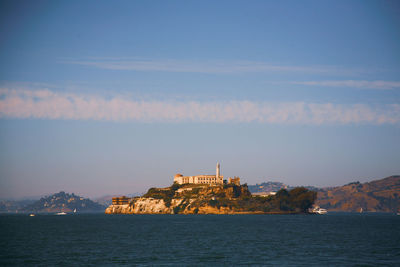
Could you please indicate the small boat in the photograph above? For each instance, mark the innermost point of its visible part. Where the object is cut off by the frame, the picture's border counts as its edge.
(31, 214)
(321, 211)
(318, 210)
(361, 210)
(74, 210)
(61, 213)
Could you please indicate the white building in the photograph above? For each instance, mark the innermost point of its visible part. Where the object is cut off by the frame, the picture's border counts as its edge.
(200, 179)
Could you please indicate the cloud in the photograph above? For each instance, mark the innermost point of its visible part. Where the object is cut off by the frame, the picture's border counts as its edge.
(215, 67)
(382, 85)
(46, 104)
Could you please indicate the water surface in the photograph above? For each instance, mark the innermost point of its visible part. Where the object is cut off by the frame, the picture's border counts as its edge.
(98, 239)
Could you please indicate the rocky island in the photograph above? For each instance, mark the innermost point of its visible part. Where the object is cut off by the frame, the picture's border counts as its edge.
(210, 194)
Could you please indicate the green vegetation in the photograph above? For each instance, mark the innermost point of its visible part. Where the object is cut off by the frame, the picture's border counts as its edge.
(236, 198)
(167, 194)
(297, 200)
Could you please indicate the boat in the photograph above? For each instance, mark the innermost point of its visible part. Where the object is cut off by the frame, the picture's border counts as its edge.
(74, 210)
(31, 214)
(318, 210)
(61, 213)
(361, 210)
(321, 211)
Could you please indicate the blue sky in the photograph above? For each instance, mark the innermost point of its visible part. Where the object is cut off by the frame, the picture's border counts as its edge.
(111, 98)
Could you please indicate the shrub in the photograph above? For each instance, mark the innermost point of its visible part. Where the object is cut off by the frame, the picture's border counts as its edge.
(213, 202)
(176, 210)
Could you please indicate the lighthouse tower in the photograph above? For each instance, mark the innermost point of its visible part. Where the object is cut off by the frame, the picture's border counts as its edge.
(217, 174)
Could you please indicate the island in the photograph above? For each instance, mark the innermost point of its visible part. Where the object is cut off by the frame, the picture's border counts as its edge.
(62, 202)
(211, 194)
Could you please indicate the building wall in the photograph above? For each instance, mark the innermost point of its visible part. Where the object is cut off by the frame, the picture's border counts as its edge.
(199, 179)
(120, 200)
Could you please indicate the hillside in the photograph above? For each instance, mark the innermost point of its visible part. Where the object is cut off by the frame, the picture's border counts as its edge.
(63, 202)
(266, 187)
(215, 199)
(376, 196)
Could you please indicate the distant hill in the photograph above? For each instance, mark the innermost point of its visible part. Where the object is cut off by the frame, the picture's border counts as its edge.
(274, 187)
(376, 196)
(13, 206)
(63, 202)
(266, 187)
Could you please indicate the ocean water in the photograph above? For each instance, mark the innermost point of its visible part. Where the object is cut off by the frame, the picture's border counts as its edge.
(196, 240)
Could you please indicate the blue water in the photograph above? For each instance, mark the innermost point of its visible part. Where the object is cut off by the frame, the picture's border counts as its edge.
(98, 239)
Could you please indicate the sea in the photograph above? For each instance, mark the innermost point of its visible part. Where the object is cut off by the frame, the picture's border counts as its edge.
(334, 239)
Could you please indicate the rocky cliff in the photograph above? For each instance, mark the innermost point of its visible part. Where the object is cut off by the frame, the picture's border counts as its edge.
(143, 205)
(159, 206)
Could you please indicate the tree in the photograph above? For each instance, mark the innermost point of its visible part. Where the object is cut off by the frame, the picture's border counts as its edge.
(302, 199)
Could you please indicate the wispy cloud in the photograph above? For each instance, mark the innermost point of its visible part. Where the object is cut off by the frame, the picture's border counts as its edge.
(381, 85)
(46, 104)
(216, 67)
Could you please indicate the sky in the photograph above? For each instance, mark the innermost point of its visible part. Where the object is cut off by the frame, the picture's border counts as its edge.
(101, 98)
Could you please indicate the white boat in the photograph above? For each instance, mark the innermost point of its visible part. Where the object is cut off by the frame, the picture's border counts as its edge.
(321, 211)
(74, 210)
(361, 210)
(61, 213)
(318, 210)
(31, 214)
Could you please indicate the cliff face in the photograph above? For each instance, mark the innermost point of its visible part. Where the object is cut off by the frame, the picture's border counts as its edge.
(158, 206)
(376, 196)
(143, 205)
